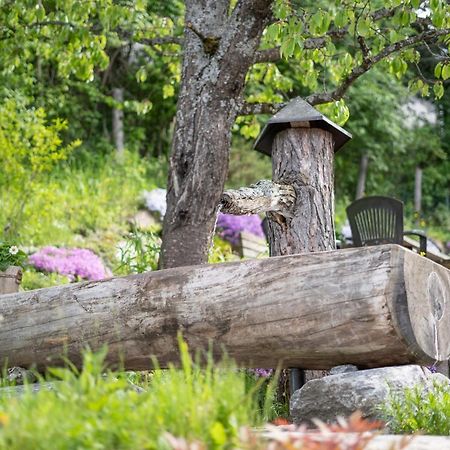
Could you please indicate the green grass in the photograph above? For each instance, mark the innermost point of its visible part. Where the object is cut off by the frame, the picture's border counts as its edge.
(94, 410)
(424, 408)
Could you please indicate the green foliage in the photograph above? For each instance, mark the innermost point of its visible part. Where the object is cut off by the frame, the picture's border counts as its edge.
(422, 408)
(139, 253)
(78, 199)
(11, 255)
(30, 147)
(32, 279)
(94, 409)
(220, 251)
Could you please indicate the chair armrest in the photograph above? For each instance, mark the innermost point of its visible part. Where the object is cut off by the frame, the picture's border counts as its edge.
(422, 240)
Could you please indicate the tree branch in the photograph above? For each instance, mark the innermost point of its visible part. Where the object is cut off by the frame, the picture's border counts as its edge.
(263, 196)
(163, 40)
(368, 63)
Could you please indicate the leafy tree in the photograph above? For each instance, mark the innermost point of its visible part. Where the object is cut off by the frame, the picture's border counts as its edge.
(240, 57)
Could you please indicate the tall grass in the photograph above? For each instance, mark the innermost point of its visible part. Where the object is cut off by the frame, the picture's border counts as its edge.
(94, 410)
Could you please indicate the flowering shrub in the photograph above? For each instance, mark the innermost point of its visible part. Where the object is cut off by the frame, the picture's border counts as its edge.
(231, 226)
(10, 255)
(73, 263)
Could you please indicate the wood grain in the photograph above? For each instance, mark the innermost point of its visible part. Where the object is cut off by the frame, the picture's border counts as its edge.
(359, 306)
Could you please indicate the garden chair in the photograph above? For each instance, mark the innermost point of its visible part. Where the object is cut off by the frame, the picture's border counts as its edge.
(379, 220)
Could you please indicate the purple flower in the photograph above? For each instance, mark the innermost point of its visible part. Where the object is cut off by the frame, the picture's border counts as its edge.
(262, 373)
(231, 226)
(72, 262)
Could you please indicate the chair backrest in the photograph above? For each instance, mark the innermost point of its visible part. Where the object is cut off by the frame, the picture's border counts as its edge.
(376, 220)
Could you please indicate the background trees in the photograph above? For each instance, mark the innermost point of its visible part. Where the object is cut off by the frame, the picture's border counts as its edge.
(240, 58)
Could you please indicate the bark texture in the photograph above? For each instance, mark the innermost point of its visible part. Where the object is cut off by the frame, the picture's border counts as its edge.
(10, 280)
(362, 175)
(263, 196)
(117, 123)
(418, 191)
(303, 158)
(370, 306)
(219, 47)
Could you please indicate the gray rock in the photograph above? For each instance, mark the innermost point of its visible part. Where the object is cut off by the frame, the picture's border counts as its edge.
(345, 368)
(342, 394)
(19, 375)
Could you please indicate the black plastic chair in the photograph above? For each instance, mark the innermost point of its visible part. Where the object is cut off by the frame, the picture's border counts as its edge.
(379, 220)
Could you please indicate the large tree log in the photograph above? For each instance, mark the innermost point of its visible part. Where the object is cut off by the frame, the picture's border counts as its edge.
(372, 307)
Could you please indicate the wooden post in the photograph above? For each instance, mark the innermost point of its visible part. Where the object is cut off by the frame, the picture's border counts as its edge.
(303, 158)
(10, 280)
(302, 143)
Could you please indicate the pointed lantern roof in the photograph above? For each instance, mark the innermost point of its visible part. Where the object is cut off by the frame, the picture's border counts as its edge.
(298, 113)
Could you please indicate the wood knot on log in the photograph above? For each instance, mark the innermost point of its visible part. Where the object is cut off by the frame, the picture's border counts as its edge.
(262, 197)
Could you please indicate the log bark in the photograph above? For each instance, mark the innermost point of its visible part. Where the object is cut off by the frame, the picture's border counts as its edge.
(303, 158)
(219, 47)
(371, 306)
(263, 196)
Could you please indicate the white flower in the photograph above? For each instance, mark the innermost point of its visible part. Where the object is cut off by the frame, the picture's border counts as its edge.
(13, 250)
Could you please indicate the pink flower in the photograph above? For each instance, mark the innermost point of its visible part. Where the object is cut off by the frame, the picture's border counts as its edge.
(74, 263)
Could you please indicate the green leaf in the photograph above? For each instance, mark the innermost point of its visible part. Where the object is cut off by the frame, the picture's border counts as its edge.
(446, 72)
(438, 70)
(364, 27)
(273, 31)
(218, 434)
(438, 90)
(287, 47)
(341, 18)
(168, 91)
(141, 75)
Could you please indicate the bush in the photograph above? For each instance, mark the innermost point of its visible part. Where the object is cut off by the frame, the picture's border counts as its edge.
(74, 263)
(424, 408)
(31, 279)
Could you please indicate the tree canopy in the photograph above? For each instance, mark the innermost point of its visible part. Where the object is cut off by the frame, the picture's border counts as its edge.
(226, 62)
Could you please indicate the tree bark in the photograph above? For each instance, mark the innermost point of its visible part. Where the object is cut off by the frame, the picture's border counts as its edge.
(370, 306)
(362, 175)
(117, 123)
(303, 158)
(418, 192)
(218, 50)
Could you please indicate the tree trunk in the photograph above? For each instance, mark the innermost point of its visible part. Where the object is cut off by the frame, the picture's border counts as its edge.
(219, 49)
(362, 175)
(117, 123)
(303, 158)
(370, 306)
(418, 192)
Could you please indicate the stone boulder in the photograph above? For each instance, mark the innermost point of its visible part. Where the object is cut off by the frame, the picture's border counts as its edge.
(342, 394)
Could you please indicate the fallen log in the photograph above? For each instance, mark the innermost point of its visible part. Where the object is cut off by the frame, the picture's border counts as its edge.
(372, 307)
